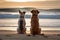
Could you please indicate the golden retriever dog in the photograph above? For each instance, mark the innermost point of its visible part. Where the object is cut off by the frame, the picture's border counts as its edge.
(35, 30)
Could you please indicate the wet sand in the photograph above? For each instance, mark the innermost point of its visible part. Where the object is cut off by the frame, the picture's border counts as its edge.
(6, 34)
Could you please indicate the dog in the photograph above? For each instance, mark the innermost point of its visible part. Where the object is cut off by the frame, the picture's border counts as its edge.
(21, 23)
(35, 30)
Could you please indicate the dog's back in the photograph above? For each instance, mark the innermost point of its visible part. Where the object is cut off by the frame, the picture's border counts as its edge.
(35, 23)
(21, 22)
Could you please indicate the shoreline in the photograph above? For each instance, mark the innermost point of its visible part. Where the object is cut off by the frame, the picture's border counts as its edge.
(13, 30)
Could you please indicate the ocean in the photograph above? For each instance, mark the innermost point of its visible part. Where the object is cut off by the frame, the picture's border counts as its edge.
(46, 22)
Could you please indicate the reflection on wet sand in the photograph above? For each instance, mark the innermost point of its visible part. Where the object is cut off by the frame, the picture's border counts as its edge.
(13, 30)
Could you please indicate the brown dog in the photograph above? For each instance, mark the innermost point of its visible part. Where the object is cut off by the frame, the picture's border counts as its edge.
(35, 30)
(21, 23)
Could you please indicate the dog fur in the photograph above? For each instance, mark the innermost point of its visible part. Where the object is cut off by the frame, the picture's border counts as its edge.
(21, 23)
(35, 30)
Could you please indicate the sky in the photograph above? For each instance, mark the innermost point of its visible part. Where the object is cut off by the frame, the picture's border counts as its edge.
(42, 4)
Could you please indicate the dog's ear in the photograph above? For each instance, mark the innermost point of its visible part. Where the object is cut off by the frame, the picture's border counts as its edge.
(20, 12)
(24, 12)
(32, 11)
(37, 11)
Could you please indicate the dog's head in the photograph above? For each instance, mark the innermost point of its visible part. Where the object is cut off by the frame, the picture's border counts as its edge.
(35, 12)
(22, 13)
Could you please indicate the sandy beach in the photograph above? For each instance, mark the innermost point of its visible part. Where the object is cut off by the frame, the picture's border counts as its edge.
(12, 35)
(25, 37)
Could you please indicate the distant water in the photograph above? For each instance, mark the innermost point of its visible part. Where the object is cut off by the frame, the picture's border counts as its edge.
(44, 20)
(5, 16)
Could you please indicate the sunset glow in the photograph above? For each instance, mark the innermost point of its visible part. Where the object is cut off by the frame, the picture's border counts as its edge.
(23, 0)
